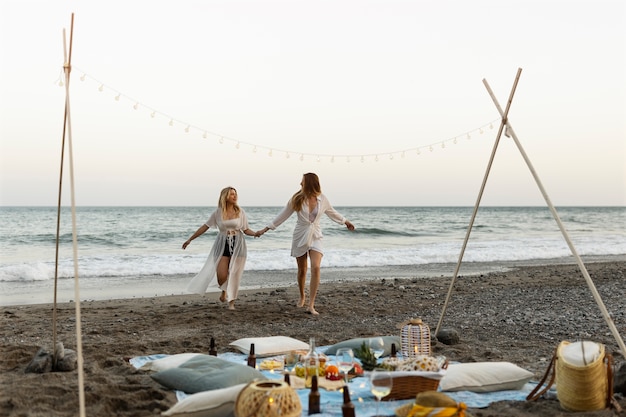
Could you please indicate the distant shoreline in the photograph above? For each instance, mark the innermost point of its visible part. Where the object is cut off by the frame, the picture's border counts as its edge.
(42, 292)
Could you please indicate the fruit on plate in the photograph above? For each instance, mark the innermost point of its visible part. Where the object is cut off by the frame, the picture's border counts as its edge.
(356, 370)
(332, 373)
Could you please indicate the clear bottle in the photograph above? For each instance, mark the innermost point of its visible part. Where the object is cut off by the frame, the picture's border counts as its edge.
(314, 397)
(252, 357)
(311, 362)
(347, 408)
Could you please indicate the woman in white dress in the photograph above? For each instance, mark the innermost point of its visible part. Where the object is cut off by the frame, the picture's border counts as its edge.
(309, 203)
(224, 266)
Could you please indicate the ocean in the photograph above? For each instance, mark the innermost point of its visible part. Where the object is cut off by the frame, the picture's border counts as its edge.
(136, 251)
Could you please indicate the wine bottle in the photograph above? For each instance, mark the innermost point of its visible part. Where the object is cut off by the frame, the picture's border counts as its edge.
(347, 408)
(311, 363)
(314, 397)
(212, 349)
(252, 357)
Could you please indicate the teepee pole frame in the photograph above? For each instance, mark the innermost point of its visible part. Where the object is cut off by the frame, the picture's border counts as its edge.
(511, 133)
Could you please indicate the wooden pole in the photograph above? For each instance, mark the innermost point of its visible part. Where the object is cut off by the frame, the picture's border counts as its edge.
(480, 194)
(68, 129)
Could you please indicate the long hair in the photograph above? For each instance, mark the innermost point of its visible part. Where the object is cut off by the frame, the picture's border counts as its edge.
(310, 188)
(221, 203)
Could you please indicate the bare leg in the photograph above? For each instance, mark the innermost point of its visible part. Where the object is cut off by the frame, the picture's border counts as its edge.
(316, 261)
(222, 274)
(302, 267)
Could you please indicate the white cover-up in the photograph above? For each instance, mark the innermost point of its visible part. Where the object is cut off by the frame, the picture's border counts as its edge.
(307, 234)
(207, 276)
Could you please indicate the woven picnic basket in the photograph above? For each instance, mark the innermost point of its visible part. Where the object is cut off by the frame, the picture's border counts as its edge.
(408, 386)
(267, 398)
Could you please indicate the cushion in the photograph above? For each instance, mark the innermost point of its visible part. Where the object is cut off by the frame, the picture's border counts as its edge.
(357, 343)
(216, 403)
(270, 345)
(167, 362)
(484, 377)
(205, 373)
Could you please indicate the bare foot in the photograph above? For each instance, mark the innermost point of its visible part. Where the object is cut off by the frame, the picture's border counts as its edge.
(312, 310)
(301, 302)
(231, 305)
(223, 296)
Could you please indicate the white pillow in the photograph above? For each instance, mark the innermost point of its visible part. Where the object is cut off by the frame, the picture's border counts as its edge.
(172, 361)
(270, 345)
(214, 403)
(484, 377)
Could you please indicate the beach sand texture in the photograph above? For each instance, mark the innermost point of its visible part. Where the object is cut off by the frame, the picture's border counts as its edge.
(518, 316)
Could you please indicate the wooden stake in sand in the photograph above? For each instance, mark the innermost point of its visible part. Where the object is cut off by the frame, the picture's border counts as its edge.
(511, 133)
(67, 130)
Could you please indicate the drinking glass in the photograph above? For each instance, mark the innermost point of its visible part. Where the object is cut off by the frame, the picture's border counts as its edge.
(381, 383)
(377, 346)
(345, 361)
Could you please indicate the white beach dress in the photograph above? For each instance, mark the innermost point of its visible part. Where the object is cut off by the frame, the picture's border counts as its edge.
(207, 276)
(307, 234)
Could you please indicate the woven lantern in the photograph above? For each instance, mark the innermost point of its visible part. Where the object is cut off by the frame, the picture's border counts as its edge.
(268, 398)
(415, 337)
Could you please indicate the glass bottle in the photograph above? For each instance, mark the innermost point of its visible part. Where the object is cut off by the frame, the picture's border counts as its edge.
(314, 397)
(212, 349)
(347, 408)
(311, 362)
(252, 357)
(394, 351)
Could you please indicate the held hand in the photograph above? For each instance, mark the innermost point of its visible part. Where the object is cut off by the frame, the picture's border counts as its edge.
(186, 244)
(349, 225)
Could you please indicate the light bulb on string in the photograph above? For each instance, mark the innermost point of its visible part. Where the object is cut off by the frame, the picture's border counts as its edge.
(468, 136)
(136, 106)
(454, 141)
(117, 97)
(481, 131)
(60, 83)
(237, 146)
(171, 123)
(204, 135)
(402, 155)
(443, 145)
(376, 159)
(152, 114)
(221, 140)
(82, 77)
(391, 157)
(254, 149)
(318, 159)
(431, 148)
(187, 129)
(287, 155)
(332, 159)
(270, 153)
(101, 88)
(490, 125)
(417, 151)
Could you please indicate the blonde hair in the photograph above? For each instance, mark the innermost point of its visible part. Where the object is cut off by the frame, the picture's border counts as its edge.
(310, 188)
(221, 203)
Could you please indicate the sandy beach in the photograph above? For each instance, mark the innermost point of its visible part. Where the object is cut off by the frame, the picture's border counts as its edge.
(518, 316)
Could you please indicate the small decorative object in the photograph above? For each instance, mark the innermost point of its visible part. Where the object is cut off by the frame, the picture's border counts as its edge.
(431, 402)
(415, 337)
(268, 398)
(252, 357)
(414, 375)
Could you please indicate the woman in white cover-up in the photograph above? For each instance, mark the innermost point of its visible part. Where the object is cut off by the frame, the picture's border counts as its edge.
(309, 203)
(224, 266)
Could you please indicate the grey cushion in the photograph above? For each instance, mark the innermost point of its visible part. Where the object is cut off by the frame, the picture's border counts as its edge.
(356, 343)
(205, 373)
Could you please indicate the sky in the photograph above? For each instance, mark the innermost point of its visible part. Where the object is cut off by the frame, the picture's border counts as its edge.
(386, 100)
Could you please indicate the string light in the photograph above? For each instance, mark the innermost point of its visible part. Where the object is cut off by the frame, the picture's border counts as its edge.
(255, 147)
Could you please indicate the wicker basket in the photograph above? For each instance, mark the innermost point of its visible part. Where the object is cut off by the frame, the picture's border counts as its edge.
(408, 386)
